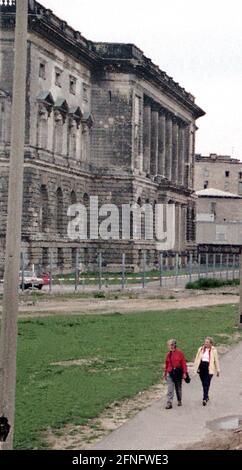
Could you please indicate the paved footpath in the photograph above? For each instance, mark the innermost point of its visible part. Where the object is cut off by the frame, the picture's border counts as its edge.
(159, 429)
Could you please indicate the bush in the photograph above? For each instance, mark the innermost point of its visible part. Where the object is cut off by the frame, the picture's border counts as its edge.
(99, 295)
(209, 283)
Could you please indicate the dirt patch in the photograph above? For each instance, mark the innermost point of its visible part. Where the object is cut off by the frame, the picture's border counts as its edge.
(128, 301)
(84, 437)
(78, 362)
(224, 440)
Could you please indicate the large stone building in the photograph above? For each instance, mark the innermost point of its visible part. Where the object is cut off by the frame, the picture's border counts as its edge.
(218, 171)
(101, 120)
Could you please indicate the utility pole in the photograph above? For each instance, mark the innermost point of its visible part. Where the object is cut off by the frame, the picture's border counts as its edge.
(240, 302)
(9, 329)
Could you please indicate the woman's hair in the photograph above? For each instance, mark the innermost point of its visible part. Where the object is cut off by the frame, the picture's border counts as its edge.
(172, 342)
(211, 340)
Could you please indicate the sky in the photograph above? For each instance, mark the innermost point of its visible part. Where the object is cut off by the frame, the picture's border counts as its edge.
(197, 42)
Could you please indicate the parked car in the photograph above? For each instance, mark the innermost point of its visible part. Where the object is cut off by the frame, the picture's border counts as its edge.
(30, 280)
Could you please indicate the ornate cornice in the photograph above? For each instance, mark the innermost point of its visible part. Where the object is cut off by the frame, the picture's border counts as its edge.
(102, 57)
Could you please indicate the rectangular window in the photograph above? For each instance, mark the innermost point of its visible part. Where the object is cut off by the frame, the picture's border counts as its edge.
(226, 186)
(213, 207)
(205, 173)
(226, 174)
(240, 175)
(240, 187)
(221, 233)
(58, 76)
(205, 186)
(72, 85)
(42, 70)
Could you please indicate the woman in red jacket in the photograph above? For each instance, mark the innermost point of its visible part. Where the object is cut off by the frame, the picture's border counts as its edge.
(175, 371)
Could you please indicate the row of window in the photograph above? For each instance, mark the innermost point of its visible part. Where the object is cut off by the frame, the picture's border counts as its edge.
(59, 76)
(226, 174)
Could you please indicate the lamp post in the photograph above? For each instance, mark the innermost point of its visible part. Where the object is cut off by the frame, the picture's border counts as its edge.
(9, 330)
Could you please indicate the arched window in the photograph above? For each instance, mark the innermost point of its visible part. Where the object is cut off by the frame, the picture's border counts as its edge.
(73, 198)
(44, 209)
(5, 116)
(86, 204)
(42, 128)
(2, 121)
(59, 217)
(72, 139)
(58, 133)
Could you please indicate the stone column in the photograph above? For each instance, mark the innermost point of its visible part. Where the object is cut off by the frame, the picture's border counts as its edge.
(154, 140)
(174, 174)
(187, 156)
(177, 226)
(162, 144)
(182, 227)
(147, 136)
(181, 156)
(168, 161)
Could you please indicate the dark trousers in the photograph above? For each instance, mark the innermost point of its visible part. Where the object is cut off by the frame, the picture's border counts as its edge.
(205, 378)
(178, 388)
(172, 386)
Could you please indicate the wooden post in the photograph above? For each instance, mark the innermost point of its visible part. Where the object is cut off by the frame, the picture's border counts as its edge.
(9, 330)
(240, 302)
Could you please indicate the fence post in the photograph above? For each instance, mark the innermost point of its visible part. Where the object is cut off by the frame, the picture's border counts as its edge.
(123, 271)
(214, 265)
(207, 264)
(51, 272)
(177, 268)
(161, 269)
(22, 270)
(227, 267)
(233, 266)
(144, 269)
(199, 266)
(100, 270)
(77, 270)
(221, 265)
(190, 266)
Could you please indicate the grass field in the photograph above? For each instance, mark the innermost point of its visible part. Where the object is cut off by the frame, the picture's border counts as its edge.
(124, 354)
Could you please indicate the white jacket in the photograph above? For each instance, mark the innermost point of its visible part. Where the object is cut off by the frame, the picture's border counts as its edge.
(213, 362)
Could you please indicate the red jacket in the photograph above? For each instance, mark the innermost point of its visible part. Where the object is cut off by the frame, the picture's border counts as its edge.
(175, 359)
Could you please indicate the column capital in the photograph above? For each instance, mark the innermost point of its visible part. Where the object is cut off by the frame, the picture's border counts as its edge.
(147, 101)
(155, 107)
(175, 119)
(169, 114)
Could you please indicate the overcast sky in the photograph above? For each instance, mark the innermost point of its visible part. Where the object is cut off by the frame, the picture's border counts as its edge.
(197, 42)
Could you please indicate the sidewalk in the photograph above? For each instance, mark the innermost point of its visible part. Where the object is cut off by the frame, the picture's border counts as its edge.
(159, 429)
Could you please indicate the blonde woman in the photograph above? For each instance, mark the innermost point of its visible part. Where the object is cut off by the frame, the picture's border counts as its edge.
(206, 365)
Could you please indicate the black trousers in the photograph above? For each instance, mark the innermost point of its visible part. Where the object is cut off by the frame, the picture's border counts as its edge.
(178, 388)
(205, 378)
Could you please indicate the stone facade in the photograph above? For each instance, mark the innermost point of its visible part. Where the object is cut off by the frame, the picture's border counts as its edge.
(101, 120)
(218, 171)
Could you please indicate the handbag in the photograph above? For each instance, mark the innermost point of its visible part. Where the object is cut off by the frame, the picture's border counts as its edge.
(187, 379)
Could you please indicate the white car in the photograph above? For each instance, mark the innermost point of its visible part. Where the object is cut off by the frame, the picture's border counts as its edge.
(30, 280)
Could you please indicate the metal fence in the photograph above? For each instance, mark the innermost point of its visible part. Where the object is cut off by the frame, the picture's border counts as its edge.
(214, 266)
